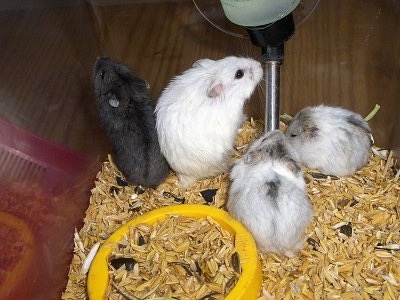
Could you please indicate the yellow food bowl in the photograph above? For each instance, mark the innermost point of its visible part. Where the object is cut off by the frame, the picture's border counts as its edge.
(247, 287)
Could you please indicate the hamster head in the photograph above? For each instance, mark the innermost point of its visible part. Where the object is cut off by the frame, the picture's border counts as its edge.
(228, 78)
(115, 84)
(273, 146)
(311, 123)
(303, 126)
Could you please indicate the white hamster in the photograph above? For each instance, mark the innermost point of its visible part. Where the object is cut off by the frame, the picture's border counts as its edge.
(268, 195)
(333, 140)
(199, 112)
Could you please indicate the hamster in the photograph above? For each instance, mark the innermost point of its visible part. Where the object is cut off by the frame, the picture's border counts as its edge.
(127, 115)
(333, 140)
(268, 195)
(199, 112)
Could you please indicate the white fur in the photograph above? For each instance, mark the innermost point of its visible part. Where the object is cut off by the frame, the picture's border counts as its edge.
(340, 148)
(277, 222)
(199, 113)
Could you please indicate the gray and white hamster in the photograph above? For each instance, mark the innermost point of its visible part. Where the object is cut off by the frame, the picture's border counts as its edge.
(268, 195)
(199, 113)
(127, 115)
(333, 140)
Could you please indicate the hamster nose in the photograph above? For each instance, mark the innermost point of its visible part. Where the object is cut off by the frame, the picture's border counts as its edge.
(256, 72)
(253, 73)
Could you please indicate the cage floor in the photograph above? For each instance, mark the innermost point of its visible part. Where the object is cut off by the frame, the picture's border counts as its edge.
(352, 249)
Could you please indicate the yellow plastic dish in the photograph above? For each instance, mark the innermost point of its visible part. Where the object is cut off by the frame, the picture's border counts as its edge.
(247, 287)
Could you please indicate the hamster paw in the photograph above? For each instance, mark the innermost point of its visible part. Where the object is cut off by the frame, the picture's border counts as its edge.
(293, 251)
(185, 181)
(289, 253)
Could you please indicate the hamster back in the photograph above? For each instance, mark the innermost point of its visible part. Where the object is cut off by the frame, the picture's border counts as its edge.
(127, 115)
(268, 195)
(334, 140)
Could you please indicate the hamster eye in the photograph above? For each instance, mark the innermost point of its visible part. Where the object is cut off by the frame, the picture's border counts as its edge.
(102, 73)
(239, 74)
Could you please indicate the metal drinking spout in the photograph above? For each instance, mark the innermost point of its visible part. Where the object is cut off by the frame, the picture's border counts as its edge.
(271, 39)
(273, 58)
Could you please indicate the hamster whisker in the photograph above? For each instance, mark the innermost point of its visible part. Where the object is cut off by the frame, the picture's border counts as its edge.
(261, 85)
(259, 101)
(260, 58)
(244, 45)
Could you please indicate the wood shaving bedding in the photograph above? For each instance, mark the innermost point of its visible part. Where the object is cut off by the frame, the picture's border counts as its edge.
(352, 250)
(181, 257)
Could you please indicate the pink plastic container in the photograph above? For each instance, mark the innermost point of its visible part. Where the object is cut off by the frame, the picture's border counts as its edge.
(44, 192)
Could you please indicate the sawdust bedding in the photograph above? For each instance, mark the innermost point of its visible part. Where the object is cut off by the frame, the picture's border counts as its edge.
(352, 249)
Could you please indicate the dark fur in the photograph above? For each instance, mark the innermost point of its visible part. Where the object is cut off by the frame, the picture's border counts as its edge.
(130, 126)
(309, 129)
(271, 188)
(274, 148)
(359, 122)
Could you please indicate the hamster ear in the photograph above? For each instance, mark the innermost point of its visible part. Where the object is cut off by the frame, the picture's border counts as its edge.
(293, 166)
(215, 89)
(113, 101)
(311, 132)
(253, 157)
(202, 63)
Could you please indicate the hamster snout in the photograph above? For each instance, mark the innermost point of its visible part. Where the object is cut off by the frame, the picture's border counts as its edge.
(256, 71)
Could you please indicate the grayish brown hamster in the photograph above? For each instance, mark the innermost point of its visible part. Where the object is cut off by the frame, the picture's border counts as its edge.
(333, 140)
(127, 115)
(268, 195)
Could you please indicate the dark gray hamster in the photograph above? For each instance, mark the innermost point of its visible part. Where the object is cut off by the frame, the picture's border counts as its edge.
(268, 195)
(127, 115)
(333, 140)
